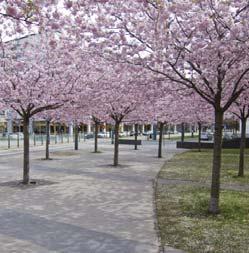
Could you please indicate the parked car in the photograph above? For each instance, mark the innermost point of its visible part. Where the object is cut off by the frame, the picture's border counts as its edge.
(147, 133)
(235, 136)
(101, 135)
(89, 135)
(126, 133)
(228, 136)
(206, 136)
(13, 135)
(132, 133)
(122, 134)
(170, 132)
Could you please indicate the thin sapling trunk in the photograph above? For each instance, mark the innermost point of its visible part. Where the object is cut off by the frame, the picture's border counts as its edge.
(199, 136)
(116, 143)
(26, 150)
(136, 134)
(47, 139)
(96, 131)
(183, 133)
(161, 125)
(76, 137)
(242, 147)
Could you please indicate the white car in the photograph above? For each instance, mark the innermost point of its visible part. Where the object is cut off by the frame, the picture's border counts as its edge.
(206, 136)
(122, 134)
(15, 135)
(101, 135)
(228, 136)
(148, 133)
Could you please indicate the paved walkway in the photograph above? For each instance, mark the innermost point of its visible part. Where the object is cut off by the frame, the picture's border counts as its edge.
(82, 204)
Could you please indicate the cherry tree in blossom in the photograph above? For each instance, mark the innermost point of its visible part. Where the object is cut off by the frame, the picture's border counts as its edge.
(117, 94)
(33, 81)
(241, 110)
(142, 115)
(62, 114)
(211, 58)
(161, 109)
(194, 110)
(201, 46)
(85, 106)
(76, 113)
(23, 17)
(47, 116)
(96, 120)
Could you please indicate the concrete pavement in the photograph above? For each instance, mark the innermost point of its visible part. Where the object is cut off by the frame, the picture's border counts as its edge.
(81, 204)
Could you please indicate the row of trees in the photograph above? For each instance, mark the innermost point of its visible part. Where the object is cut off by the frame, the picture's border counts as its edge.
(129, 60)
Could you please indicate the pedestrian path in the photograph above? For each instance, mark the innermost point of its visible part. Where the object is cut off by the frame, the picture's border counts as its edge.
(81, 204)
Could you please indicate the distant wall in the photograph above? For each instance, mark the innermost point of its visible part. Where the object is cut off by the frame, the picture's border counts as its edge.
(235, 143)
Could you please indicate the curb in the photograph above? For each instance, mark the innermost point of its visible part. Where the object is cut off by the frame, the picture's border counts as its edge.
(162, 248)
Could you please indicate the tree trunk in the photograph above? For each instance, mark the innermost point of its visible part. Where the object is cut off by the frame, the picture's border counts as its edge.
(183, 132)
(47, 139)
(215, 187)
(242, 147)
(136, 133)
(161, 125)
(154, 132)
(199, 136)
(96, 130)
(116, 143)
(26, 150)
(76, 137)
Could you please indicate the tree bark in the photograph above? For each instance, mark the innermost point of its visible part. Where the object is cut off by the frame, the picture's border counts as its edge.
(215, 186)
(183, 132)
(26, 150)
(199, 137)
(154, 136)
(76, 137)
(116, 143)
(161, 125)
(96, 130)
(242, 147)
(136, 134)
(47, 139)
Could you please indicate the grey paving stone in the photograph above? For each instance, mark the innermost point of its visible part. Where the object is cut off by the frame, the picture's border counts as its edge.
(84, 204)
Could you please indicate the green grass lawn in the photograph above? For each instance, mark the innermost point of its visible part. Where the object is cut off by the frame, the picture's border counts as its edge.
(182, 206)
(194, 165)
